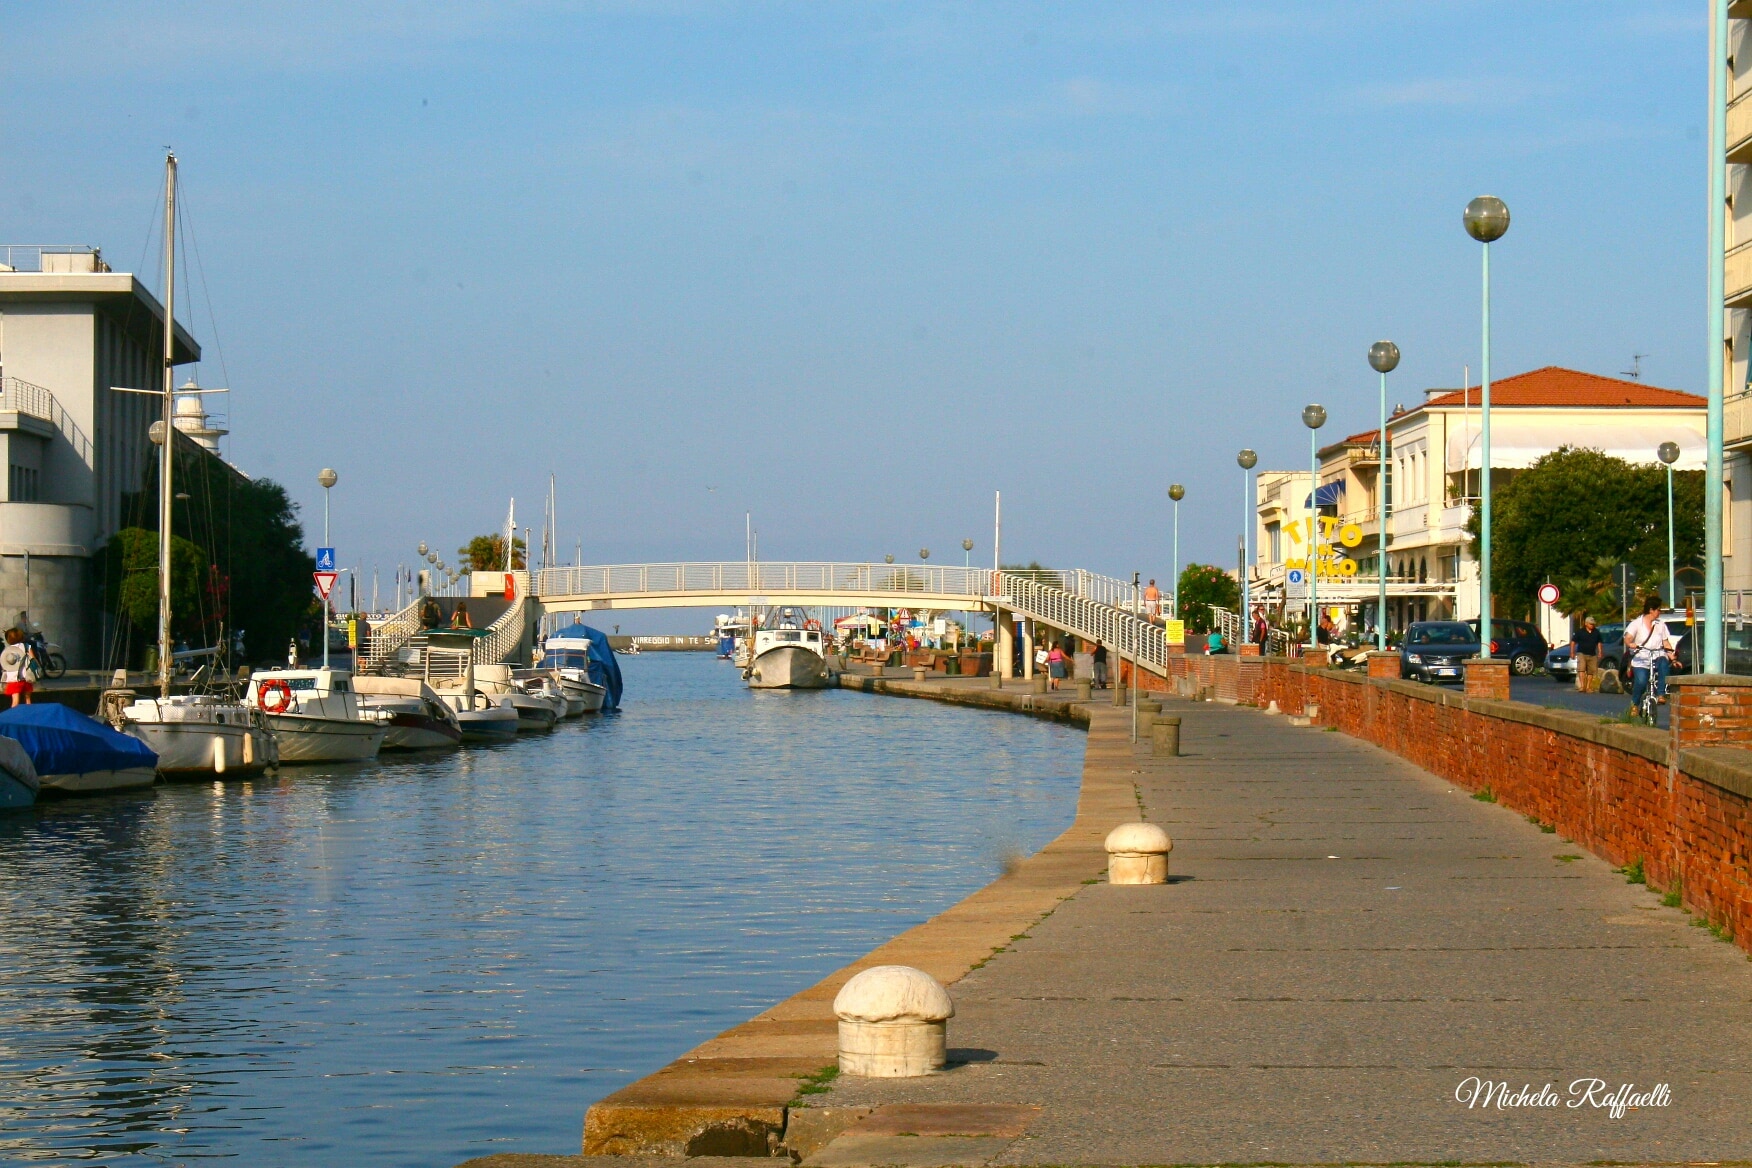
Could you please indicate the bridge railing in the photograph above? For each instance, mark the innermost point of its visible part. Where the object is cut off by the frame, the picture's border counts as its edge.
(760, 579)
(1133, 637)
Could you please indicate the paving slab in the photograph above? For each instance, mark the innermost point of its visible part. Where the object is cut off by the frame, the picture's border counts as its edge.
(1349, 946)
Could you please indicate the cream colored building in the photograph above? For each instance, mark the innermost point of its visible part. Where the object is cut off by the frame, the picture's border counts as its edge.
(1434, 463)
(1737, 294)
(70, 330)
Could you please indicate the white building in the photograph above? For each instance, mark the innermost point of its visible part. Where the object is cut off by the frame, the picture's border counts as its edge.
(70, 330)
(1434, 461)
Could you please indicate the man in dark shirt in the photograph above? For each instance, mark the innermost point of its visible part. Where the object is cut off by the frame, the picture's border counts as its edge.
(1100, 659)
(1585, 645)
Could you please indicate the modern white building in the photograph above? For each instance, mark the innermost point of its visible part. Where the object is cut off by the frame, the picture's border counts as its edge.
(70, 331)
(1434, 463)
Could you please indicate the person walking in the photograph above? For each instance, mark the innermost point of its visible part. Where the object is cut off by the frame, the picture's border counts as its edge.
(15, 668)
(1099, 664)
(1152, 600)
(1651, 648)
(1055, 666)
(1586, 645)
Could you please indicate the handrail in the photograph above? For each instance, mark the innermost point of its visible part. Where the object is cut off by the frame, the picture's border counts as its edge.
(759, 578)
(387, 637)
(24, 397)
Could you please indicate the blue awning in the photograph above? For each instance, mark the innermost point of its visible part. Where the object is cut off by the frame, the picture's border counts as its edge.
(1329, 495)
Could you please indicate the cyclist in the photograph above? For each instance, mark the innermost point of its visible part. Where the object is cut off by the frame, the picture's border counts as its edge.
(1651, 648)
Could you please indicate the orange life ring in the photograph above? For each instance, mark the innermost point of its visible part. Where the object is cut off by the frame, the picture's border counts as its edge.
(812, 624)
(274, 685)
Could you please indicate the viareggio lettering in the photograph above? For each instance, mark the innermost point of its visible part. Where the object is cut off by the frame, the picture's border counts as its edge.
(1483, 1094)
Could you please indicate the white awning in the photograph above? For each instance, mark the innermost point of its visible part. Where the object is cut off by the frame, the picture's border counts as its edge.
(1515, 444)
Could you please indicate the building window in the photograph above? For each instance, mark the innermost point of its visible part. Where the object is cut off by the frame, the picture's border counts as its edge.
(1275, 536)
(21, 484)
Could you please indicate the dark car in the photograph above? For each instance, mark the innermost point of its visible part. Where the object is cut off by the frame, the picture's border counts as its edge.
(1436, 651)
(1560, 667)
(1517, 642)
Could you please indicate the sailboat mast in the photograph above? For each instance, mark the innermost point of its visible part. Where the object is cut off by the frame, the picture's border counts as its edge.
(167, 450)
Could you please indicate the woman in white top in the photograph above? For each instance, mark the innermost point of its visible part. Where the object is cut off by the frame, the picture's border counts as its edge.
(1650, 646)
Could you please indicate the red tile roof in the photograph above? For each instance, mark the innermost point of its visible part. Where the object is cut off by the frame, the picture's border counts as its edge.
(1556, 386)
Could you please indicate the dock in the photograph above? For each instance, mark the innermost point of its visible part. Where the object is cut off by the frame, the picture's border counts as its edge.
(1346, 943)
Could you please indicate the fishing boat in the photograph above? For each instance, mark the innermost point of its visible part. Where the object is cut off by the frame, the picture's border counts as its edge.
(315, 715)
(18, 778)
(192, 735)
(577, 657)
(730, 631)
(76, 755)
(787, 653)
(415, 717)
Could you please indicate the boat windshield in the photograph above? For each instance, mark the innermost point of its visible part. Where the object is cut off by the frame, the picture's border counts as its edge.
(566, 659)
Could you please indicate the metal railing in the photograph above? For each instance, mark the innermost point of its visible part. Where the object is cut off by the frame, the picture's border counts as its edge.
(1125, 633)
(1228, 625)
(757, 579)
(28, 257)
(389, 637)
(23, 397)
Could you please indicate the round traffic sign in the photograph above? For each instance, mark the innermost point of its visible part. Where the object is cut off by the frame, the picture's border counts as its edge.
(1548, 593)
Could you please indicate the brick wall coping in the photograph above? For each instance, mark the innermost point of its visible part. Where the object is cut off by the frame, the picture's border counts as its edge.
(1714, 680)
(1727, 767)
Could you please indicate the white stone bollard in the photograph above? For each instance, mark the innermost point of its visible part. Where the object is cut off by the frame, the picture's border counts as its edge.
(1137, 853)
(891, 1023)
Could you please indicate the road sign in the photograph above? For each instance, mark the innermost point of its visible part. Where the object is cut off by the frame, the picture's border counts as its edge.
(1296, 584)
(325, 559)
(324, 582)
(1548, 594)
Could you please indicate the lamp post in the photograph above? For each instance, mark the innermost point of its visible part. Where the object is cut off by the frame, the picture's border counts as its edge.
(1668, 453)
(1383, 359)
(1715, 623)
(1176, 492)
(1246, 460)
(1486, 220)
(966, 553)
(1314, 417)
(924, 553)
(327, 478)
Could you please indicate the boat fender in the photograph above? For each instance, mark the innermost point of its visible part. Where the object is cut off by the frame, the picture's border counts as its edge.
(269, 703)
(218, 754)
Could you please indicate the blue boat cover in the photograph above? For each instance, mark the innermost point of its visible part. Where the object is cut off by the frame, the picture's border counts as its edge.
(62, 741)
(604, 669)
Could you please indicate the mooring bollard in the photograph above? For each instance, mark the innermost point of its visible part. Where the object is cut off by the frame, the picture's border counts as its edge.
(1165, 735)
(1137, 853)
(997, 680)
(1038, 685)
(892, 1023)
(1118, 694)
(919, 672)
(1085, 689)
(1149, 705)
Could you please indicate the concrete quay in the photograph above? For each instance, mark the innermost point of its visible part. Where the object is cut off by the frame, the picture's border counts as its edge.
(1345, 944)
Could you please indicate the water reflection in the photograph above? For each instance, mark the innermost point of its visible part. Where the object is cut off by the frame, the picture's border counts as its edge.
(423, 959)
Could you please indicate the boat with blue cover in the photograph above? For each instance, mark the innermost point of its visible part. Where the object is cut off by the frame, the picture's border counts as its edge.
(77, 755)
(580, 658)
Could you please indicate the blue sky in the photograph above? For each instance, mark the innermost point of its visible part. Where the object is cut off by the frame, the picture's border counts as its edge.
(855, 266)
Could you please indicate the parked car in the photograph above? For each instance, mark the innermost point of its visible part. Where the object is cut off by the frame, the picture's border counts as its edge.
(1559, 667)
(1436, 651)
(1520, 643)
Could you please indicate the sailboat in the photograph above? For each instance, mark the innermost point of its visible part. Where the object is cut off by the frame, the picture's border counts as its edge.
(194, 735)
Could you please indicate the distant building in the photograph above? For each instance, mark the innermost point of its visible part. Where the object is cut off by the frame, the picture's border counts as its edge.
(70, 330)
(1737, 295)
(1434, 475)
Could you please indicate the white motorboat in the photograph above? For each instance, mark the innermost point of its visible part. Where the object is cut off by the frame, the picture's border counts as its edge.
(479, 719)
(416, 717)
(546, 683)
(195, 735)
(315, 715)
(787, 653)
(537, 710)
(568, 659)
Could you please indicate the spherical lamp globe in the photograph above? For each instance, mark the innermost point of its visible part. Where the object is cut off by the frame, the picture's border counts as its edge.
(1486, 218)
(1383, 356)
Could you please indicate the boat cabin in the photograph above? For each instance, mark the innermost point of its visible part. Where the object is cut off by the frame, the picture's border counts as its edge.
(317, 693)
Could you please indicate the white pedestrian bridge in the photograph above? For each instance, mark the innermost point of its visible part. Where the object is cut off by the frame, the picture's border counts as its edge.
(1091, 606)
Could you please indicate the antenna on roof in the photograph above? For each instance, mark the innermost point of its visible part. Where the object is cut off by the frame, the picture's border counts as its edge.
(1635, 370)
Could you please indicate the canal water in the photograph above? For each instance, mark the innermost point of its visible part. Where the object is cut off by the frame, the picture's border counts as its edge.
(425, 959)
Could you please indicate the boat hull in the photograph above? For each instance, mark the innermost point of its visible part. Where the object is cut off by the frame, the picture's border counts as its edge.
(406, 731)
(582, 697)
(14, 794)
(788, 667)
(535, 715)
(194, 749)
(99, 782)
(306, 739)
(486, 726)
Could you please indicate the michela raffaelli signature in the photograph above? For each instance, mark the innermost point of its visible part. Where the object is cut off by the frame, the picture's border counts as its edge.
(1483, 1094)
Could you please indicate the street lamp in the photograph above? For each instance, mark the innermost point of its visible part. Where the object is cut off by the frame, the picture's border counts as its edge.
(1668, 453)
(326, 478)
(1246, 460)
(924, 553)
(1715, 623)
(423, 548)
(888, 559)
(1314, 417)
(966, 553)
(1486, 219)
(1177, 493)
(1383, 359)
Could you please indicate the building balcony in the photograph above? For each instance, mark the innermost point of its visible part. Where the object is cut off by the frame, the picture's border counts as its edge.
(1740, 128)
(1737, 419)
(1740, 9)
(1737, 276)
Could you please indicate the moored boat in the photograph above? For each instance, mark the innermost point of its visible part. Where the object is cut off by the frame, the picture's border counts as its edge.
(196, 735)
(315, 715)
(580, 659)
(787, 654)
(18, 778)
(413, 714)
(77, 755)
(478, 718)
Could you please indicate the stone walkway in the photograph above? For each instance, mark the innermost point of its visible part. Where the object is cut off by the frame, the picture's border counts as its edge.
(1346, 942)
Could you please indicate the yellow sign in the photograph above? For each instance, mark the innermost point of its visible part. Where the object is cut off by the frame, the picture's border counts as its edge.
(1174, 632)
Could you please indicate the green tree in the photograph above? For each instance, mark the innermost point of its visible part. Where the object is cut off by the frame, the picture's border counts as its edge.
(131, 574)
(486, 553)
(1574, 515)
(1202, 586)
